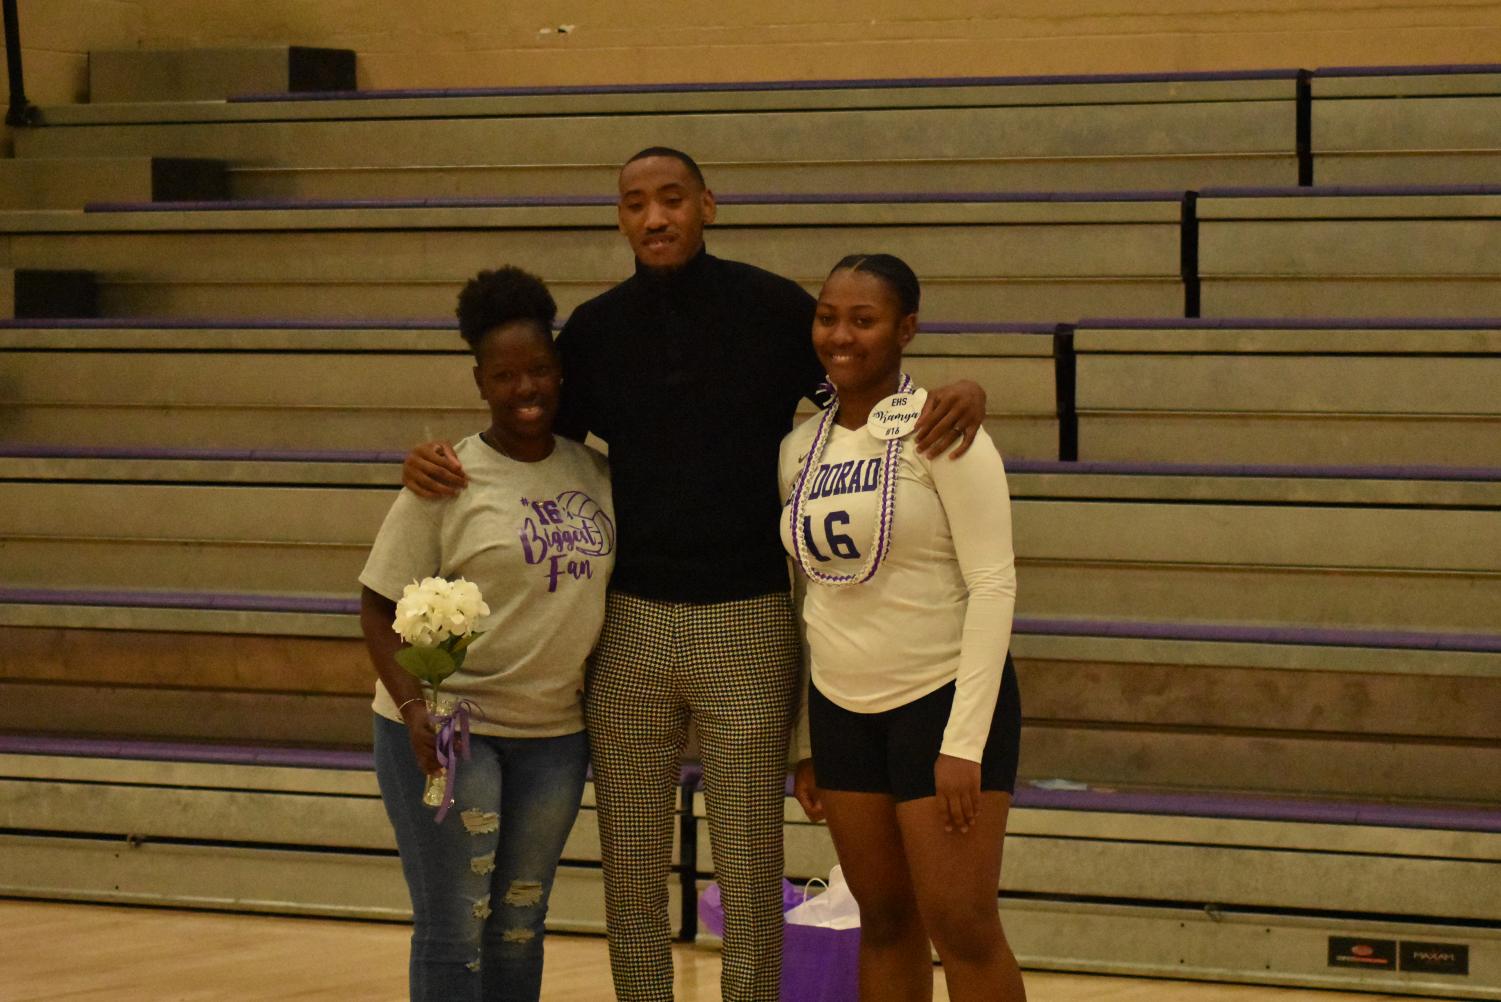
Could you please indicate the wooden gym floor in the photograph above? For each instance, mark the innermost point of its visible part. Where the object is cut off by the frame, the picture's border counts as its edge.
(92, 953)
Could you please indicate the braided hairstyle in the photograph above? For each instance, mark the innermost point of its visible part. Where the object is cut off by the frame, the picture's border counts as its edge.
(892, 271)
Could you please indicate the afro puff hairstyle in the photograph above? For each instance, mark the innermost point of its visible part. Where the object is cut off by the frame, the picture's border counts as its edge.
(494, 298)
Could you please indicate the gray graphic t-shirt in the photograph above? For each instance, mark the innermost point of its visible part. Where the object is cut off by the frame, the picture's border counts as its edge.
(539, 540)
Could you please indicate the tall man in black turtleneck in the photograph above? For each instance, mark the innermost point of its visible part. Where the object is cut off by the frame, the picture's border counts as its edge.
(690, 370)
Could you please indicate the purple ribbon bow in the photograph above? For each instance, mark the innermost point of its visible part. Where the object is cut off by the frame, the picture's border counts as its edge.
(453, 741)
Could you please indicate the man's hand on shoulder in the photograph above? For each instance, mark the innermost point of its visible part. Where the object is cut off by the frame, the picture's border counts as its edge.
(431, 470)
(952, 416)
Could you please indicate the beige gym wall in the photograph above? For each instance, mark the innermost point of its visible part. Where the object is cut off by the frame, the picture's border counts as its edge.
(479, 42)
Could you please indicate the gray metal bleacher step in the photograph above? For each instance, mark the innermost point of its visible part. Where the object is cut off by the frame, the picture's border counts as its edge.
(305, 386)
(273, 829)
(1373, 125)
(1114, 749)
(211, 74)
(70, 183)
(1006, 134)
(1402, 251)
(1408, 252)
(1369, 566)
(983, 256)
(1321, 391)
(871, 93)
(1195, 545)
(1407, 125)
(728, 174)
(1166, 883)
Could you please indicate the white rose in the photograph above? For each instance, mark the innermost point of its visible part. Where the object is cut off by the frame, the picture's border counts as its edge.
(414, 615)
(468, 606)
(442, 611)
(432, 610)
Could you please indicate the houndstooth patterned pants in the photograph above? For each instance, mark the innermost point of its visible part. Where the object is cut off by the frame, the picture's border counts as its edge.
(734, 667)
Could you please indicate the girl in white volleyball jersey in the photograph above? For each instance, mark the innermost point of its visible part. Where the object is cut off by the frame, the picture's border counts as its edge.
(908, 742)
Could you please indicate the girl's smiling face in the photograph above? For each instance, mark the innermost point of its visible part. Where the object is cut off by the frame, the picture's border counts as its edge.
(860, 331)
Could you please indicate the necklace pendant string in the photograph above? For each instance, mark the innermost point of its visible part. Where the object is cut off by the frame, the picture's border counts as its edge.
(884, 516)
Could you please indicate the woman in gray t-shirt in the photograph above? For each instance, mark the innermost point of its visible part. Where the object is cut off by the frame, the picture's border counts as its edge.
(535, 531)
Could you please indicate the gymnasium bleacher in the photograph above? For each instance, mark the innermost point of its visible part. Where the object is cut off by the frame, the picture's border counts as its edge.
(1241, 337)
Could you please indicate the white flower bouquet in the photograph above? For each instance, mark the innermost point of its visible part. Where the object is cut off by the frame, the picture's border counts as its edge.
(438, 618)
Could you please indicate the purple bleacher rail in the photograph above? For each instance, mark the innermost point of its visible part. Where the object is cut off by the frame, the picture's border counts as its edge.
(295, 204)
(1289, 323)
(184, 751)
(220, 323)
(1351, 190)
(1249, 807)
(29, 450)
(202, 601)
(1439, 473)
(991, 328)
(876, 83)
(560, 201)
(1088, 323)
(1254, 808)
(26, 450)
(1310, 636)
(924, 197)
(1445, 69)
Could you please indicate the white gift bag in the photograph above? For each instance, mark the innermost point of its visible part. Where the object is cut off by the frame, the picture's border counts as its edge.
(835, 908)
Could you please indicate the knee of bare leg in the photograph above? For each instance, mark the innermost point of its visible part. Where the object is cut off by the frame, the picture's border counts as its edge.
(885, 919)
(966, 934)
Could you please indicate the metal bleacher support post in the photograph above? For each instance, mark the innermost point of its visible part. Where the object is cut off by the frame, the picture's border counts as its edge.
(1188, 252)
(688, 858)
(1065, 388)
(1304, 105)
(21, 111)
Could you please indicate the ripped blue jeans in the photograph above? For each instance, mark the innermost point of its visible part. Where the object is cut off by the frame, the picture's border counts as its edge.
(480, 880)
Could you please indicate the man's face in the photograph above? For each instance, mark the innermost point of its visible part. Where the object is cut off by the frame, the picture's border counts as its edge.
(663, 211)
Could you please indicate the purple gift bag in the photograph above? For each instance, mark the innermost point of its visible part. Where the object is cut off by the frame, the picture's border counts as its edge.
(818, 964)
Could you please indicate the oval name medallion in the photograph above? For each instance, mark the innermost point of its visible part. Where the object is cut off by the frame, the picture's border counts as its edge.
(896, 416)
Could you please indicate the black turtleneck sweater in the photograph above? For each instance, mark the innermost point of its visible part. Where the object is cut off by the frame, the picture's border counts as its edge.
(692, 378)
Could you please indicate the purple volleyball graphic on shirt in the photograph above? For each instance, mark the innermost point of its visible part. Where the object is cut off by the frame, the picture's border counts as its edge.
(585, 511)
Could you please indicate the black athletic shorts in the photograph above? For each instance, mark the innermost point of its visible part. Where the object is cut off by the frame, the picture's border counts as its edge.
(894, 751)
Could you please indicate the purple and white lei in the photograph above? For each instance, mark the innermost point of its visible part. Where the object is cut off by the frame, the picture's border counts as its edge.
(799, 502)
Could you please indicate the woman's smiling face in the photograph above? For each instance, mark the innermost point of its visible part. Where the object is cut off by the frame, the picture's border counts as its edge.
(518, 375)
(859, 332)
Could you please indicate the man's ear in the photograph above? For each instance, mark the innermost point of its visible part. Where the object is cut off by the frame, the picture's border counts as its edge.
(710, 206)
